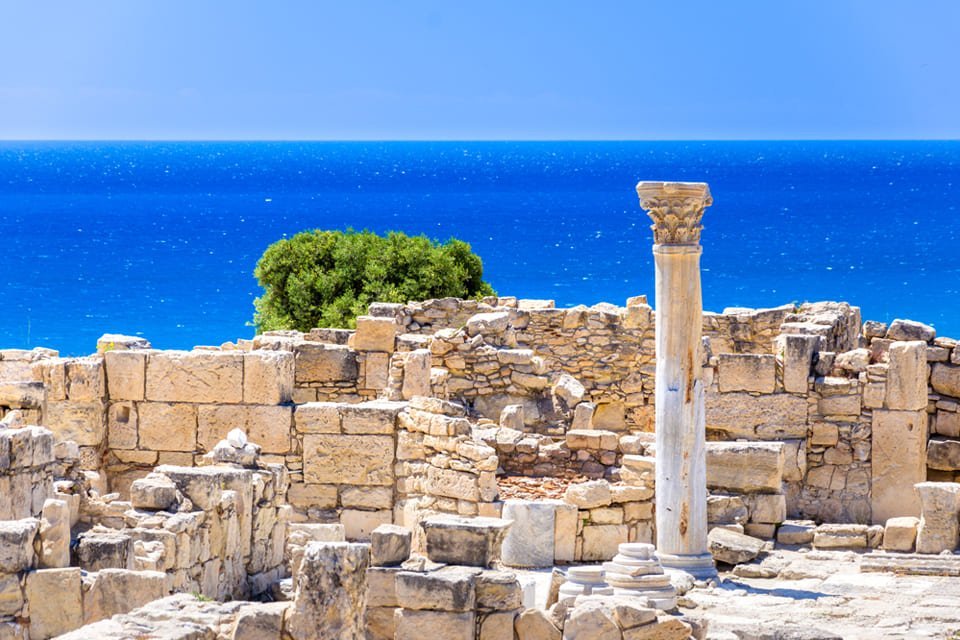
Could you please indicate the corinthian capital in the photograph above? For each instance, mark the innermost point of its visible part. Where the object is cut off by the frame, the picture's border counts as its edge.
(676, 209)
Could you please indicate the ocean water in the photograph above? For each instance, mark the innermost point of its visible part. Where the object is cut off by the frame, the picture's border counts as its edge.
(160, 239)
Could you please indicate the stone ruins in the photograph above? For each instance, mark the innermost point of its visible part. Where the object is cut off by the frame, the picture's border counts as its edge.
(493, 469)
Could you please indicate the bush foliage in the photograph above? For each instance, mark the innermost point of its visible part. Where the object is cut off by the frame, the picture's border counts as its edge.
(327, 278)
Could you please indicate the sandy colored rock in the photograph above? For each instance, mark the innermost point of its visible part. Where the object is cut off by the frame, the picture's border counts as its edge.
(474, 542)
(747, 372)
(83, 422)
(348, 459)
(417, 625)
(194, 376)
(588, 495)
(900, 534)
(744, 467)
(268, 377)
(600, 541)
(375, 334)
(118, 591)
(938, 530)
(416, 374)
(317, 417)
(331, 593)
(126, 374)
(389, 545)
(167, 427)
(16, 544)
(54, 535)
(898, 461)
(732, 547)
(535, 624)
(741, 415)
(324, 363)
(55, 601)
(945, 379)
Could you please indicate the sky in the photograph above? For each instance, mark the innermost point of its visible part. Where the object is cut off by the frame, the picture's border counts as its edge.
(497, 69)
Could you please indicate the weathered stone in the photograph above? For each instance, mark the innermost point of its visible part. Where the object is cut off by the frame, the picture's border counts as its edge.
(268, 377)
(796, 532)
(488, 324)
(797, 353)
(744, 467)
(375, 334)
(591, 620)
(116, 591)
(126, 374)
(167, 427)
(317, 417)
(261, 621)
(55, 601)
(740, 415)
(945, 378)
(472, 542)
(938, 530)
(154, 492)
(317, 362)
(840, 536)
(359, 524)
(601, 541)
(588, 495)
(900, 534)
(11, 595)
(194, 376)
(348, 459)
(16, 544)
(83, 422)
(497, 625)
(569, 391)
(374, 417)
(389, 545)
(417, 625)
(732, 547)
(331, 593)
(535, 624)
(910, 330)
(855, 360)
(511, 417)
(943, 454)
(767, 508)
(55, 534)
(525, 544)
(907, 376)
(747, 372)
(723, 509)
(898, 461)
(105, 549)
(416, 374)
(498, 591)
(668, 628)
(447, 589)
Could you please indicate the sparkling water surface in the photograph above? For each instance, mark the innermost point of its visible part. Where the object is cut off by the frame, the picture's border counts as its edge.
(160, 239)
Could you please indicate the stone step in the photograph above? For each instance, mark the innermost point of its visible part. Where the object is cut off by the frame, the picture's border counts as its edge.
(914, 564)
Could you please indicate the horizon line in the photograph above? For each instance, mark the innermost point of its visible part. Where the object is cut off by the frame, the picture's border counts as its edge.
(462, 140)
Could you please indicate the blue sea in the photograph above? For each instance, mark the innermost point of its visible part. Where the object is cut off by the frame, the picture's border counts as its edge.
(160, 239)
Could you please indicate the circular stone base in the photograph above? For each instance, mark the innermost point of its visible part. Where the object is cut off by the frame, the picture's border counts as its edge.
(701, 566)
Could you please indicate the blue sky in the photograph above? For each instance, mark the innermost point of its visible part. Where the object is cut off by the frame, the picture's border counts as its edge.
(519, 69)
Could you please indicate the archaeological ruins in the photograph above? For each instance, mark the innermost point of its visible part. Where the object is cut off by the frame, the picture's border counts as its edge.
(493, 469)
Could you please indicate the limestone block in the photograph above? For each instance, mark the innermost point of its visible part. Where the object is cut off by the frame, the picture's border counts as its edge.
(118, 342)
(11, 595)
(85, 380)
(447, 589)
(609, 416)
(260, 621)
(488, 324)
(497, 626)
(16, 544)
(588, 495)
(666, 628)
(910, 330)
(900, 534)
(154, 492)
(194, 376)
(907, 376)
(416, 374)
(769, 508)
(797, 354)
(382, 587)
(747, 372)
(451, 484)
(268, 377)
(732, 547)
(366, 497)
(840, 536)
(55, 602)
(379, 623)
(583, 416)
(745, 467)
(601, 541)
(126, 373)
(945, 379)
(566, 519)
(167, 427)
(122, 432)
(318, 362)
(474, 542)
(741, 415)
(535, 624)
(375, 334)
(948, 424)
(360, 525)
(55, 534)
(267, 426)
(526, 544)
(389, 545)
(796, 532)
(116, 591)
(331, 593)
(317, 417)
(498, 591)
(943, 454)
(24, 395)
(938, 529)
(898, 461)
(591, 620)
(348, 459)
(373, 417)
(417, 625)
(723, 509)
(105, 549)
(511, 417)
(839, 405)
(824, 434)
(304, 496)
(82, 422)
(569, 391)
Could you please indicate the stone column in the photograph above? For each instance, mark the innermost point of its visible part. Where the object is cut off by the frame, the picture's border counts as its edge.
(676, 209)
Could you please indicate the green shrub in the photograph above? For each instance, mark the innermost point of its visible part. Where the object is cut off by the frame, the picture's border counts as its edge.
(327, 278)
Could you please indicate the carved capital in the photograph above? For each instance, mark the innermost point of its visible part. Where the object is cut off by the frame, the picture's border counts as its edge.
(676, 209)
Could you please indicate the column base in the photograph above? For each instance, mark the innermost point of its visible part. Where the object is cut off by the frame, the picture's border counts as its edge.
(700, 566)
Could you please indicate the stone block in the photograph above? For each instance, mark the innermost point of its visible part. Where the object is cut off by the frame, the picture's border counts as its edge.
(376, 373)
(366, 497)
(497, 626)
(55, 534)
(265, 425)
(122, 431)
(498, 591)
(382, 587)
(167, 427)
(373, 417)
(16, 544)
(566, 520)
(304, 496)
(261, 621)
(601, 541)
(745, 467)
(943, 454)
(318, 362)
(535, 624)
(610, 416)
(85, 380)
(447, 589)
(360, 525)
(588, 495)
(722, 509)
(21, 395)
(11, 595)
(796, 532)
(948, 424)
(348, 459)
(83, 422)
(824, 434)
(732, 547)
(331, 592)
(105, 549)
(375, 334)
(907, 376)
(416, 374)
(379, 623)
(126, 373)
(769, 508)
(945, 379)
(797, 353)
(195, 376)
(390, 545)
(153, 493)
(840, 536)
(910, 330)
(900, 534)
(839, 405)
(898, 461)
(475, 542)
(317, 417)
(268, 377)
(115, 591)
(591, 620)
(938, 530)
(417, 625)
(528, 543)
(741, 415)
(56, 606)
(449, 483)
(747, 372)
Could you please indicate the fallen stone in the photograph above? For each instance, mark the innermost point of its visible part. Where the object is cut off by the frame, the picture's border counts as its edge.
(389, 545)
(731, 547)
(900, 534)
(474, 542)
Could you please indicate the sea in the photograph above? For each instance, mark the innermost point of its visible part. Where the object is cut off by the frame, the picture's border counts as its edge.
(160, 239)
